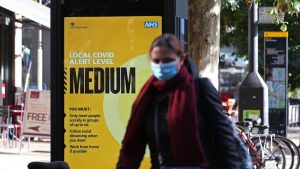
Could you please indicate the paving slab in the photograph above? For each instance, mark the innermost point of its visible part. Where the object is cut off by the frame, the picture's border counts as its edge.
(10, 158)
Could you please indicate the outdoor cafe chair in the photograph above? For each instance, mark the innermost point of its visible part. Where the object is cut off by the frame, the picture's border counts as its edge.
(11, 123)
(16, 112)
(6, 127)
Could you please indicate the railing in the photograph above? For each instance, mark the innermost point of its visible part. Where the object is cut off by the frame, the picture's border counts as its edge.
(294, 113)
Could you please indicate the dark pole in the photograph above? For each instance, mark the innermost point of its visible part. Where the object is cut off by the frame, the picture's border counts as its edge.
(253, 92)
(57, 82)
(253, 55)
(253, 37)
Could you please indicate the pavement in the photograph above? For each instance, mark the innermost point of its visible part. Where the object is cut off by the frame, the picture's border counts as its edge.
(39, 150)
(36, 150)
(293, 133)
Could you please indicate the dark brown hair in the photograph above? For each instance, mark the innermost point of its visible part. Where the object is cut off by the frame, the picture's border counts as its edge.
(169, 41)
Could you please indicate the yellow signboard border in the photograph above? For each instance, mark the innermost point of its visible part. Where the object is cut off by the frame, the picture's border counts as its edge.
(276, 34)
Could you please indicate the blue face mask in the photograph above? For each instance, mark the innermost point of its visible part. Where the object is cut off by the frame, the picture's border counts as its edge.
(164, 71)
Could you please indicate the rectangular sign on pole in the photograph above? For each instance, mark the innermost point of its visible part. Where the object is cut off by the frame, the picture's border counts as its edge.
(36, 120)
(264, 16)
(105, 64)
(276, 70)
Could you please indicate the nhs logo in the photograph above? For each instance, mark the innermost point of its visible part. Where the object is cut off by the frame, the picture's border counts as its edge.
(148, 24)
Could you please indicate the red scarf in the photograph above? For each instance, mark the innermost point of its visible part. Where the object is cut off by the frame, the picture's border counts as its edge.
(182, 120)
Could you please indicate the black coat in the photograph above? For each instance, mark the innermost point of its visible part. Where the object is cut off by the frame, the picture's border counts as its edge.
(216, 131)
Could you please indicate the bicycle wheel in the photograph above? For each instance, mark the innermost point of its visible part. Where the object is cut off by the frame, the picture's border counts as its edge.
(272, 154)
(295, 150)
(289, 153)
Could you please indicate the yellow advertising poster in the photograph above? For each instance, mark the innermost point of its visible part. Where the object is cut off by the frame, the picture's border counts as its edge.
(105, 65)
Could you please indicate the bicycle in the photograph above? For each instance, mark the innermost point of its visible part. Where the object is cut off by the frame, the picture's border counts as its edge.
(263, 148)
(289, 146)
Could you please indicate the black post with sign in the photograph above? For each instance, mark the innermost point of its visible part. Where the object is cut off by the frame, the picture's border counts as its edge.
(253, 90)
(276, 70)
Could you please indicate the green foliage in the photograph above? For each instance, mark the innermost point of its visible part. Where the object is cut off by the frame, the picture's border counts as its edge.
(294, 51)
(292, 7)
(234, 25)
(234, 32)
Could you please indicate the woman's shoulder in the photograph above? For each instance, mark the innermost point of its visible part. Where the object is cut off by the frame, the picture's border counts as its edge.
(204, 84)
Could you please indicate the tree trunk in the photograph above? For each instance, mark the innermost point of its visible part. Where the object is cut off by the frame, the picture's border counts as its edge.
(204, 36)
